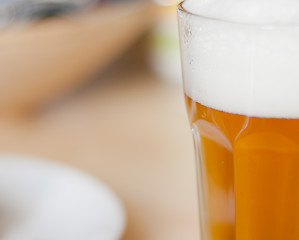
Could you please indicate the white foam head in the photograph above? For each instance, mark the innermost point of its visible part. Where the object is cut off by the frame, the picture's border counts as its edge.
(249, 11)
(242, 56)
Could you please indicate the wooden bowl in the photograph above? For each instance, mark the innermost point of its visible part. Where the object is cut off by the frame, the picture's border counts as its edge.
(43, 60)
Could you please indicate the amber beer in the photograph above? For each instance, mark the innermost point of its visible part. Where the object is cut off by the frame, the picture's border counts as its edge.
(250, 167)
(240, 63)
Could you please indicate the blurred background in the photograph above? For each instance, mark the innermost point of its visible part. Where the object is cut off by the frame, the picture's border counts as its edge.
(96, 85)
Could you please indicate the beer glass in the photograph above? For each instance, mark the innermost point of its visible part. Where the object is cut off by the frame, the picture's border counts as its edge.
(241, 86)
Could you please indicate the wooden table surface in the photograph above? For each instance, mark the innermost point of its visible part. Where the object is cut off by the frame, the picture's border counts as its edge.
(131, 131)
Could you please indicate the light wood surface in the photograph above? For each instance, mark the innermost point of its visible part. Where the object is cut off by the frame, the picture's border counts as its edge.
(131, 131)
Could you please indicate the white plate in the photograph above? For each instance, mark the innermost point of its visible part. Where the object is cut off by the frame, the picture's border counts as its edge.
(40, 200)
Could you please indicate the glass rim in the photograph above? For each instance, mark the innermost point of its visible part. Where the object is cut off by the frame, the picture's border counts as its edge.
(181, 9)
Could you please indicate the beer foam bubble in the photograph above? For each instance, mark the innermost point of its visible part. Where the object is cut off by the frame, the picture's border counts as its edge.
(242, 56)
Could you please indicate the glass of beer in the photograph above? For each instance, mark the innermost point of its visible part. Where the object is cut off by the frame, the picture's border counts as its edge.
(241, 83)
